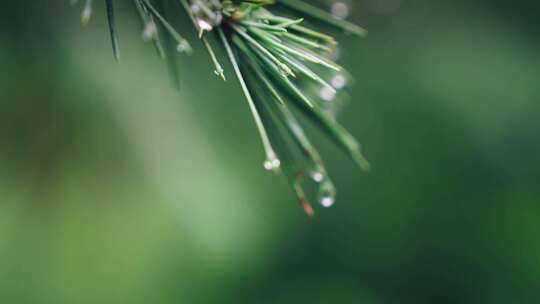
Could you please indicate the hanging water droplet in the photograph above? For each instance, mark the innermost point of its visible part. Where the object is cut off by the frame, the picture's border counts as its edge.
(327, 201)
(272, 164)
(339, 81)
(340, 10)
(268, 165)
(150, 31)
(204, 25)
(327, 94)
(195, 8)
(217, 21)
(317, 176)
(86, 14)
(327, 194)
(183, 46)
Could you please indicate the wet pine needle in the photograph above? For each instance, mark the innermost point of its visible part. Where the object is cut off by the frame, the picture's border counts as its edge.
(279, 63)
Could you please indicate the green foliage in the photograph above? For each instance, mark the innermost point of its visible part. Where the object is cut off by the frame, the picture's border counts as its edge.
(279, 62)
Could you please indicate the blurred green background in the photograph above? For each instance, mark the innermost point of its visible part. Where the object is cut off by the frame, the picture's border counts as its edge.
(116, 188)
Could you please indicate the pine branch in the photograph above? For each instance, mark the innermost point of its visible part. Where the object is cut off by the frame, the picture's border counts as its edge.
(279, 64)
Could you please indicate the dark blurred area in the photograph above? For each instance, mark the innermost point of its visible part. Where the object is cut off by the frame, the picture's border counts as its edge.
(117, 188)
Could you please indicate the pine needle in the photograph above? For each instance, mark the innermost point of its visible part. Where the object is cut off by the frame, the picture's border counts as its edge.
(279, 64)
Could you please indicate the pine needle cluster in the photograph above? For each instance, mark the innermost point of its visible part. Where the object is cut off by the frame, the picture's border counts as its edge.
(282, 66)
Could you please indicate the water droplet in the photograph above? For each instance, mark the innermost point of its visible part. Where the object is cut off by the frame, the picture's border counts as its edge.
(219, 70)
(327, 94)
(195, 8)
(327, 194)
(150, 31)
(183, 46)
(204, 25)
(340, 10)
(86, 14)
(268, 165)
(339, 81)
(272, 164)
(218, 20)
(317, 176)
(327, 201)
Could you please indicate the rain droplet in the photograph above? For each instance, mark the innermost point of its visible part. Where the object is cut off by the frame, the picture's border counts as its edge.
(339, 81)
(272, 164)
(268, 165)
(327, 194)
(150, 31)
(204, 25)
(195, 9)
(218, 20)
(340, 10)
(317, 176)
(86, 14)
(327, 94)
(327, 201)
(183, 46)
